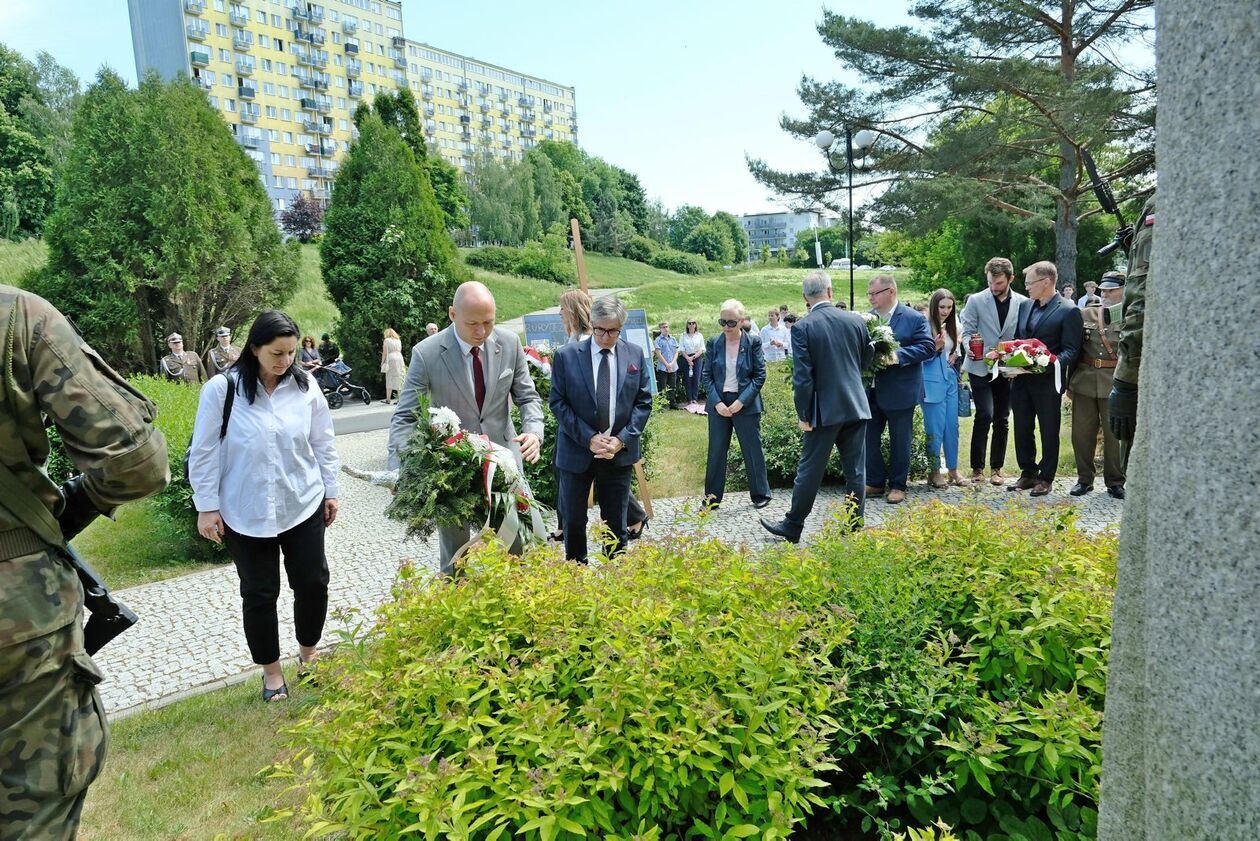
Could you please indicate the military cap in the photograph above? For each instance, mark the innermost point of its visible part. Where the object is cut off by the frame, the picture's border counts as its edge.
(1112, 280)
(223, 331)
(174, 337)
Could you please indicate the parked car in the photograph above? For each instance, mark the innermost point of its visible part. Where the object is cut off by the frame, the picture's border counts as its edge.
(842, 263)
(888, 268)
(864, 268)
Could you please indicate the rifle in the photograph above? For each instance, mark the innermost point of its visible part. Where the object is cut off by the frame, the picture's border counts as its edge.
(109, 617)
(1107, 200)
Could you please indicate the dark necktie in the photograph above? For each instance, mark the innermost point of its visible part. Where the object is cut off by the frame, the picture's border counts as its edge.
(479, 378)
(603, 392)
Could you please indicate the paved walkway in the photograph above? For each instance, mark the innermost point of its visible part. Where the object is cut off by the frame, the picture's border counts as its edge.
(189, 638)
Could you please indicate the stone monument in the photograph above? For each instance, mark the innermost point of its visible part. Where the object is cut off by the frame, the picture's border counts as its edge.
(1181, 738)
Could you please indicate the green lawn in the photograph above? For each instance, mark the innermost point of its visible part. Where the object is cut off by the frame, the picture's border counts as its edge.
(192, 770)
(17, 258)
(136, 548)
(310, 306)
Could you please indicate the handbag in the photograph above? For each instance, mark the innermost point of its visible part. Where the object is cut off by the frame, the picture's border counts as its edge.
(227, 413)
(964, 399)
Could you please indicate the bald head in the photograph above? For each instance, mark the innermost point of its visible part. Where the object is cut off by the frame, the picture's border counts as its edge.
(472, 312)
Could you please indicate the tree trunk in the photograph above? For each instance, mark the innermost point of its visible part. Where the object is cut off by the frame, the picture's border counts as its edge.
(148, 355)
(1065, 222)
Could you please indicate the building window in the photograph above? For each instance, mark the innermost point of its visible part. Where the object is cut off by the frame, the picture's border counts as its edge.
(271, 112)
(269, 88)
(284, 91)
(264, 41)
(277, 22)
(288, 137)
(220, 29)
(229, 105)
(266, 64)
(227, 80)
(225, 56)
(286, 114)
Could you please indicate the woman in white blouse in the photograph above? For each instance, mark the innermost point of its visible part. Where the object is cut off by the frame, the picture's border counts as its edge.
(267, 487)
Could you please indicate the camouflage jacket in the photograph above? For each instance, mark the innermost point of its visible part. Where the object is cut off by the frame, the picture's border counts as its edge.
(105, 424)
(1134, 307)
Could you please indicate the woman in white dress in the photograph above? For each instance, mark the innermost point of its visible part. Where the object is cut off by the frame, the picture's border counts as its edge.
(392, 365)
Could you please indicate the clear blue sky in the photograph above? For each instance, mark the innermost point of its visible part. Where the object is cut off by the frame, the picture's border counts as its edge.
(674, 90)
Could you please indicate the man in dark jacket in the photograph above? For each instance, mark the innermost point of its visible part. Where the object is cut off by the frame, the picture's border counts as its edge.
(1036, 398)
(830, 347)
(898, 389)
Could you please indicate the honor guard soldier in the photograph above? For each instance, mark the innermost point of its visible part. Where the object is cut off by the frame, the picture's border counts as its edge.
(1091, 385)
(223, 355)
(180, 364)
(52, 726)
(1131, 315)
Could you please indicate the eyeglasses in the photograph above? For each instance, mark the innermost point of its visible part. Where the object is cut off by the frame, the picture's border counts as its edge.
(728, 322)
(871, 293)
(600, 331)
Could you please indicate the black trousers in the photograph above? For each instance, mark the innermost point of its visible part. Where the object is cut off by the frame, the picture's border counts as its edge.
(1036, 403)
(692, 376)
(748, 429)
(850, 440)
(993, 408)
(612, 492)
(667, 384)
(258, 565)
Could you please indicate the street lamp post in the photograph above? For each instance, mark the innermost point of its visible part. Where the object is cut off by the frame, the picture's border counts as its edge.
(861, 141)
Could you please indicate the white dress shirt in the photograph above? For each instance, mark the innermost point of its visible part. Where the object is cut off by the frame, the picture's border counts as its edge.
(731, 383)
(277, 463)
(596, 356)
(778, 334)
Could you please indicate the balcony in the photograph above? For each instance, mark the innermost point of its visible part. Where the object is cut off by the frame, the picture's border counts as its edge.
(547, 107)
(400, 60)
(203, 83)
(548, 119)
(246, 91)
(463, 85)
(527, 116)
(507, 143)
(317, 14)
(466, 134)
(321, 81)
(306, 103)
(487, 123)
(425, 74)
(249, 141)
(428, 110)
(398, 41)
(299, 12)
(503, 96)
(320, 193)
(240, 42)
(524, 102)
(239, 18)
(244, 68)
(313, 126)
(199, 58)
(198, 33)
(349, 26)
(304, 80)
(353, 69)
(194, 7)
(249, 117)
(316, 37)
(355, 89)
(465, 119)
(324, 106)
(352, 47)
(303, 57)
(426, 91)
(324, 128)
(320, 172)
(484, 106)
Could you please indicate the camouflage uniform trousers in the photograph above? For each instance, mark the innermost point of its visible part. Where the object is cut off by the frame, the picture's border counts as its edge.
(53, 733)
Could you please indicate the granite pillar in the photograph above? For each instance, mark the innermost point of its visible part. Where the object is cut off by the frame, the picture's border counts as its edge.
(1181, 739)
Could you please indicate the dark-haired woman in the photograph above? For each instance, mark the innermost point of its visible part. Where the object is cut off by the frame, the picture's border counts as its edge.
(268, 487)
(940, 390)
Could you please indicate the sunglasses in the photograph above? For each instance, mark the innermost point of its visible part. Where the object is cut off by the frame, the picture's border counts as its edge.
(729, 322)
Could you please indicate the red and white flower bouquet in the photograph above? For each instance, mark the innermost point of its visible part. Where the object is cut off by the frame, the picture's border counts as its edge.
(1030, 356)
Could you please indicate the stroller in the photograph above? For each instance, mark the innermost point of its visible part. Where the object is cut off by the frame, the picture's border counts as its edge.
(334, 380)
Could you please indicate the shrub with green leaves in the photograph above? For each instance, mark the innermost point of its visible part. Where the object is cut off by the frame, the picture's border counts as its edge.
(975, 674)
(781, 438)
(678, 690)
(547, 259)
(679, 261)
(640, 249)
(494, 258)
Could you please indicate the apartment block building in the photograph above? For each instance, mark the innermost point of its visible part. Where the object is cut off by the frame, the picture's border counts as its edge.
(779, 230)
(470, 106)
(287, 75)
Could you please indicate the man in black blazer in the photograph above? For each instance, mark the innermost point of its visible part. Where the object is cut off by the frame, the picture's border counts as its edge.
(1036, 398)
(601, 396)
(830, 347)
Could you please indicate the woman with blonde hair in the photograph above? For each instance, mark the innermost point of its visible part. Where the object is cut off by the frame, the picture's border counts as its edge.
(940, 390)
(392, 365)
(737, 371)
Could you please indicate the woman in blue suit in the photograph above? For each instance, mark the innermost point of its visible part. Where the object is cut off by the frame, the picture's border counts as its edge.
(737, 371)
(940, 390)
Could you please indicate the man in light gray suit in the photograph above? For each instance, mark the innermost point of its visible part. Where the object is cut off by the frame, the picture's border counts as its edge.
(991, 315)
(472, 368)
(830, 348)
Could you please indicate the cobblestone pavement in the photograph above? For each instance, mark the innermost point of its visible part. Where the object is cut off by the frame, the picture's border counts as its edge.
(190, 640)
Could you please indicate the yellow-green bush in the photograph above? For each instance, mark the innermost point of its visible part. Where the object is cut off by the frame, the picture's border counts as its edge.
(680, 689)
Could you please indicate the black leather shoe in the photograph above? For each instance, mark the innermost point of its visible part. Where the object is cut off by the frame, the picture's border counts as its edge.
(1116, 491)
(761, 503)
(783, 529)
(1080, 489)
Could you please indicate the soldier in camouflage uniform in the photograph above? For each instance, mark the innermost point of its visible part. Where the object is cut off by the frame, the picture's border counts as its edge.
(52, 728)
(1091, 387)
(181, 364)
(1130, 315)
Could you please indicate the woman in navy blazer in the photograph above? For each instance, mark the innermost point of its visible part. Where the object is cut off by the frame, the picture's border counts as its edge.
(734, 403)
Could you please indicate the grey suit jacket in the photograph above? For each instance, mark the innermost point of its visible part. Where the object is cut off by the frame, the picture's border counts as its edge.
(438, 370)
(980, 316)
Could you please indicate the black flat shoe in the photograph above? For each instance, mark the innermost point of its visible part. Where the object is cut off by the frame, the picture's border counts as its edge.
(1116, 491)
(556, 537)
(280, 694)
(1080, 489)
(761, 503)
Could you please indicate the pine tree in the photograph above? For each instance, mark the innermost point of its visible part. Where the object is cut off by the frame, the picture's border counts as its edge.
(388, 260)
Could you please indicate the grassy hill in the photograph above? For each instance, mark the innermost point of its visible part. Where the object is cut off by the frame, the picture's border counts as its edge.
(17, 258)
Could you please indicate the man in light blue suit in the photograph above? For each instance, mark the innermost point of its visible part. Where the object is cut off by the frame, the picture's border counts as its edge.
(898, 389)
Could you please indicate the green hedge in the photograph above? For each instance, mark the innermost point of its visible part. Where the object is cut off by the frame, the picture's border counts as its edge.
(640, 249)
(781, 438)
(947, 668)
(548, 259)
(676, 690)
(679, 261)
